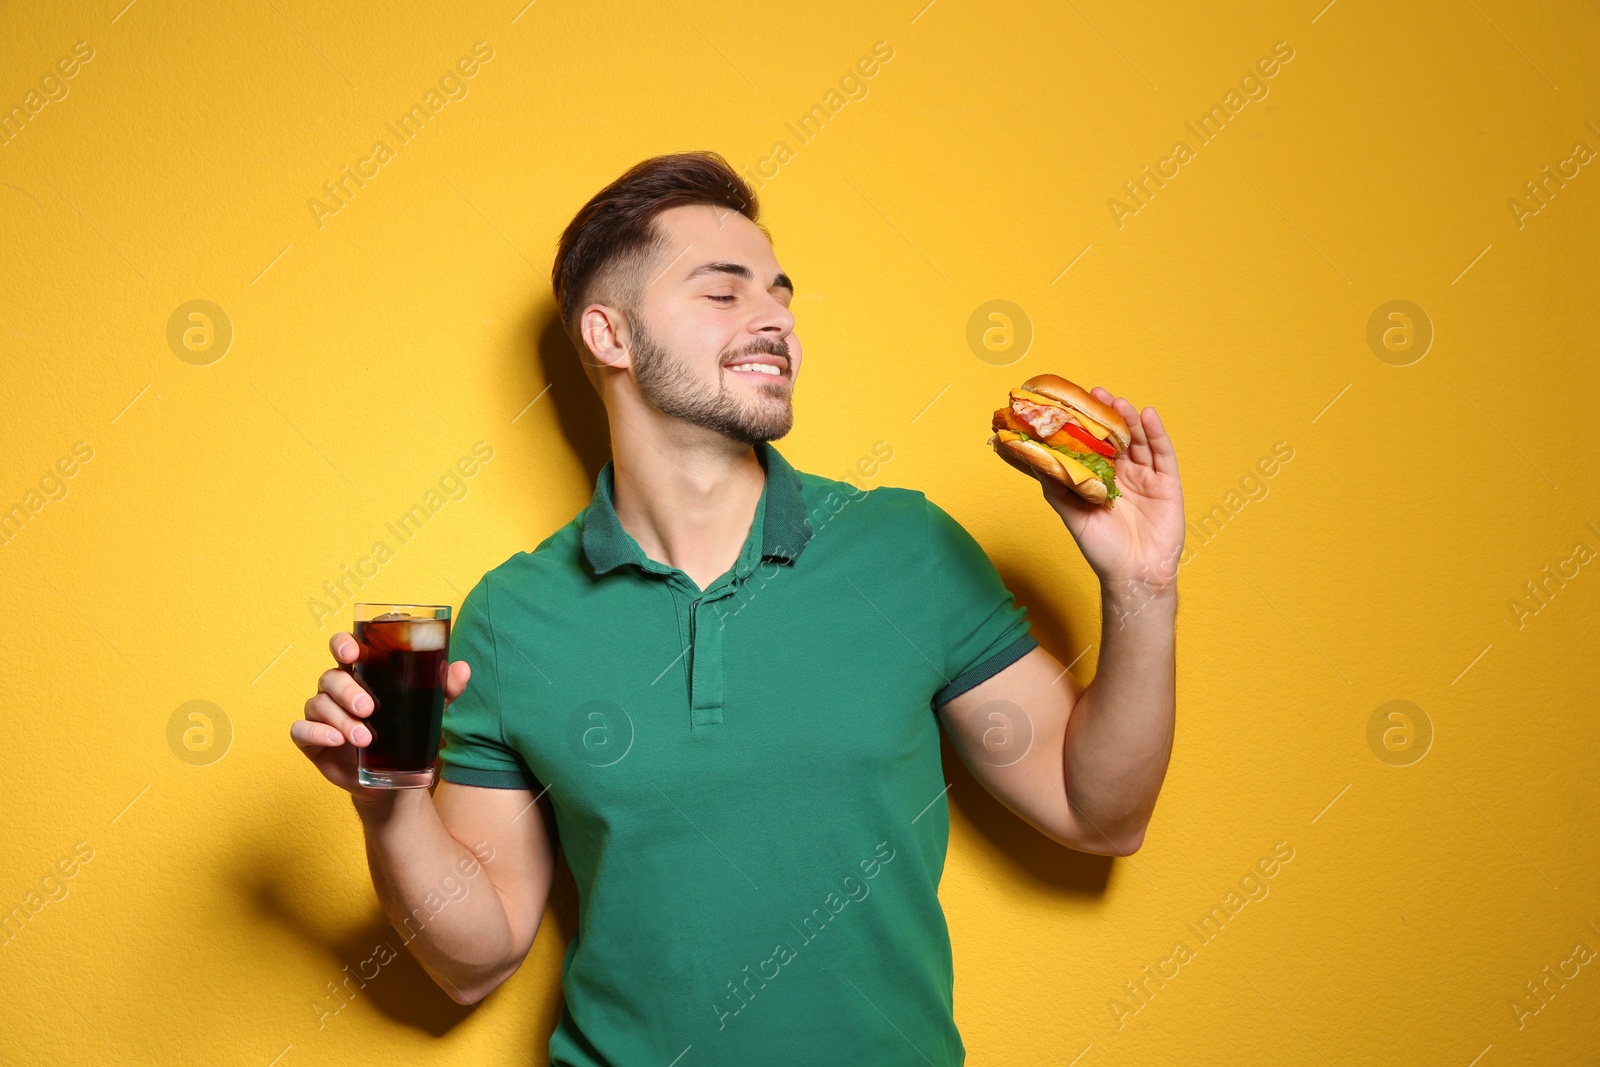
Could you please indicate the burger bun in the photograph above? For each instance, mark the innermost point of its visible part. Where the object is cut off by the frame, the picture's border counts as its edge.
(1071, 395)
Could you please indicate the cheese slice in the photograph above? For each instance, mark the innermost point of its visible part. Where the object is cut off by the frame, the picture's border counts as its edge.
(1075, 470)
(1083, 420)
(1038, 398)
(1089, 424)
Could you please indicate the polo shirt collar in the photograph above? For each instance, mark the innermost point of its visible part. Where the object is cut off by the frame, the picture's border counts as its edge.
(784, 532)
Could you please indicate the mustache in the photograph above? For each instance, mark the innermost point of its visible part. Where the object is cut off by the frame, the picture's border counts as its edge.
(765, 345)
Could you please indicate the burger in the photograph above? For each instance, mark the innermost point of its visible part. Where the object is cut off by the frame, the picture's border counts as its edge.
(1055, 429)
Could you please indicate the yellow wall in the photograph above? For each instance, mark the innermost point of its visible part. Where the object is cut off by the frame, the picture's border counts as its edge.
(373, 345)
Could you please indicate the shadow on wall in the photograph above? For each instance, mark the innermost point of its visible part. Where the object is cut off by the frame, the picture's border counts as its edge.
(1002, 832)
(367, 965)
(579, 414)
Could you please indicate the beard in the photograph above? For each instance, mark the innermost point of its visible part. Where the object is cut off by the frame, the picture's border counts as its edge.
(670, 384)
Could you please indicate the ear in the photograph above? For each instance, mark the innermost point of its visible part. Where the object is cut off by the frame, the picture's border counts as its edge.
(605, 334)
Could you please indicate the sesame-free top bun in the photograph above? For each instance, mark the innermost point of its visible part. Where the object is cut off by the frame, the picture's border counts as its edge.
(1030, 457)
(1058, 388)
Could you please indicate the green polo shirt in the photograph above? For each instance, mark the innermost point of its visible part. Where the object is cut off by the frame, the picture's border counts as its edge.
(746, 778)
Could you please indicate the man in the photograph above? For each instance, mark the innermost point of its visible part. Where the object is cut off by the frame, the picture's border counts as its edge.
(722, 683)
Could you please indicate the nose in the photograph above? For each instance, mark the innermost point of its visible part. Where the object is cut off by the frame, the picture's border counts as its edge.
(773, 328)
(773, 315)
(774, 320)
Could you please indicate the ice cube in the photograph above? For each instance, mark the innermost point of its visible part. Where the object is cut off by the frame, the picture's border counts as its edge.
(427, 635)
(392, 616)
(385, 634)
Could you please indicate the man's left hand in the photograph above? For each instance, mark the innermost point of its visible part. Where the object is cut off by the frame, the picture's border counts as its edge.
(1136, 542)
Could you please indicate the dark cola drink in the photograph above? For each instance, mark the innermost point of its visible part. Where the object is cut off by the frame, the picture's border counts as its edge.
(405, 650)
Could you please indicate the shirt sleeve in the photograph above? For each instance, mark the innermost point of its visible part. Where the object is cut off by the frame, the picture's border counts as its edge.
(474, 749)
(980, 627)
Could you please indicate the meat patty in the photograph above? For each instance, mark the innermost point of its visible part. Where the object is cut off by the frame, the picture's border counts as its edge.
(1006, 419)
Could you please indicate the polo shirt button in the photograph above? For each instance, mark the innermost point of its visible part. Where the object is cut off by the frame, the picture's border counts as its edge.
(705, 671)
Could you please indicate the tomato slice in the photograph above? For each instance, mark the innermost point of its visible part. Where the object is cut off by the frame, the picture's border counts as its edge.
(1090, 440)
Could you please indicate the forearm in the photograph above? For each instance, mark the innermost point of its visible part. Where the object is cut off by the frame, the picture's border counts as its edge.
(1119, 735)
(435, 892)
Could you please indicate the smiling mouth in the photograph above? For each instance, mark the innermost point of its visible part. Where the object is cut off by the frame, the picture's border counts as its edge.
(758, 370)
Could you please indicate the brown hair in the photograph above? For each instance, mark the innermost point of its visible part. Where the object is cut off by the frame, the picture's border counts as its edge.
(610, 244)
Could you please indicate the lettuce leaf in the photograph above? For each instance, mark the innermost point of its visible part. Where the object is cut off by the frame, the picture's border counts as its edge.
(1098, 464)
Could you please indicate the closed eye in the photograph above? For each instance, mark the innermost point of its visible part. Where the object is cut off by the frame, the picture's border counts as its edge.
(728, 298)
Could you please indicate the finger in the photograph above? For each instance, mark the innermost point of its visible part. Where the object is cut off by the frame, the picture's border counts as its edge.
(1075, 511)
(1139, 448)
(344, 689)
(1163, 456)
(1101, 393)
(344, 647)
(312, 737)
(321, 708)
(456, 678)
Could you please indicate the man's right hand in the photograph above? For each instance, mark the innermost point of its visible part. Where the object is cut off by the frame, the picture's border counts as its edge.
(332, 730)
(417, 842)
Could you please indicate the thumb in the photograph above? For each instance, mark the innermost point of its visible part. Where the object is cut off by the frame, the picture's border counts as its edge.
(456, 678)
(1073, 509)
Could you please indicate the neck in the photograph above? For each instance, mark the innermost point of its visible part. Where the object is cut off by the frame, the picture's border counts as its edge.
(687, 495)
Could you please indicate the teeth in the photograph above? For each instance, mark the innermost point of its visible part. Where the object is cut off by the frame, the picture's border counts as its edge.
(764, 368)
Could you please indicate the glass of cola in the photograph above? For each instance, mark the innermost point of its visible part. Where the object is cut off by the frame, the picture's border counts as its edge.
(404, 653)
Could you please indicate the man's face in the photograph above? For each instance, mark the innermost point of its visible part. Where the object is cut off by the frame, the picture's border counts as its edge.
(719, 349)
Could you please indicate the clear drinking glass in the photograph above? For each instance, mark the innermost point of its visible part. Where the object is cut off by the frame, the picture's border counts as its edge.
(405, 650)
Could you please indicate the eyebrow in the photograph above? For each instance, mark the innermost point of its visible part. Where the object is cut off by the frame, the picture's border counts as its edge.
(739, 270)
